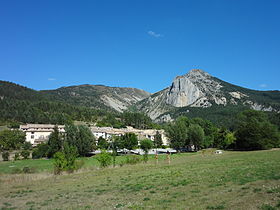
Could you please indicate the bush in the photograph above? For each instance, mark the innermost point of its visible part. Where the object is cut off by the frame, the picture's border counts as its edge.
(16, 157)
(5, 156)
(11, 139)
(40, 151)
(27, 146)
(146, 145)
(25, 154)
(59, 163)
(66, 160)
(70, 154)
(104, 159)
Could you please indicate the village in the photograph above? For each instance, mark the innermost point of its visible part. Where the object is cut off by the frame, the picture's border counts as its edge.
(37, 134)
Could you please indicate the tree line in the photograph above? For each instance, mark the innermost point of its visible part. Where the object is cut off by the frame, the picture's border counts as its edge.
(252, 130)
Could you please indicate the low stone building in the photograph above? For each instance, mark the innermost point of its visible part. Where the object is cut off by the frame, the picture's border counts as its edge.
(108, 132)
(39, 133)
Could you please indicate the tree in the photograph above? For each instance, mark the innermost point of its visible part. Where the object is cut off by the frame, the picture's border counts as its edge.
(136, 120)
(209, 129)
(115, 145)
(40, 151)
(80, 137)
(25, 154)
(178, 132)
(254, 131)
(65, 160)
(59, 162)
(102, 143)
(54, 142)
(104, 158)
(11, 139)
(196, 135)
(158, 140)
(27, 146)
(70, 153)
(146, 145)
(229, 139)
(129, 141)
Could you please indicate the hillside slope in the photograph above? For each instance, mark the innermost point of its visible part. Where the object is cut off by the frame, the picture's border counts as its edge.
(198, 90)
(98, 96)
(22, 104)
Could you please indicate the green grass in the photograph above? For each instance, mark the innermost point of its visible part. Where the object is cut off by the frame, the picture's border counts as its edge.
(46, 165)
(233, 180)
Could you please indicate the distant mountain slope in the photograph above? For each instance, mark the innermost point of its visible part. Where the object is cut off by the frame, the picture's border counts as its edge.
(18, 92)
(198, 90)
(22, 104)
(98, 96)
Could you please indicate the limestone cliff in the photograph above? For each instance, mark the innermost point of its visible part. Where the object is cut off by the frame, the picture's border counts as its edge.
(199, 89)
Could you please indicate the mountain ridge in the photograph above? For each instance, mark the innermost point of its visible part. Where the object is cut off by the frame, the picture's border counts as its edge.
(194, 94)
(98, 96)
(199, 89)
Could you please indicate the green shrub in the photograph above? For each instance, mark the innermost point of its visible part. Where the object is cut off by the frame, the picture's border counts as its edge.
(104, 159)
(16, 157)
(146, 145)
(59, 163)
(5, 156)
(40, 151)
(70, 154)
(66, 160)
(25, 154)
(27, 146)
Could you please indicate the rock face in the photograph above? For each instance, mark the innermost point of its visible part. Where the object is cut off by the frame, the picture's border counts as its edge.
(199, 89)
(189, 88)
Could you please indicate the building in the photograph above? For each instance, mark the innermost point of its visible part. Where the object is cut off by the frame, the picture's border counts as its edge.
(39, 133)
(108, 132)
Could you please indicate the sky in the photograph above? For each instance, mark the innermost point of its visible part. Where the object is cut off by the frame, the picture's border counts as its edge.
(47, 44)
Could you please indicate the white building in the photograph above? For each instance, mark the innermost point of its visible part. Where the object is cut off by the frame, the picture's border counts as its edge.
(108, 132)
(39, 133)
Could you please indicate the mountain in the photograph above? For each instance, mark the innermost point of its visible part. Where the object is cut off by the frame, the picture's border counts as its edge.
(195, 94)
(90, 103)
(198, 91)
(22, 104)
(98, 96)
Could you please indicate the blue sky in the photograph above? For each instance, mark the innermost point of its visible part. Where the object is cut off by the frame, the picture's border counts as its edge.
(46, 44)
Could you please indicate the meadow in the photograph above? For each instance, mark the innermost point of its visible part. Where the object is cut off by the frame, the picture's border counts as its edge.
(232, 180)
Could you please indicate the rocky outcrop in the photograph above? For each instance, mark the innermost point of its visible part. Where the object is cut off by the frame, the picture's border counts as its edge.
(199, 89)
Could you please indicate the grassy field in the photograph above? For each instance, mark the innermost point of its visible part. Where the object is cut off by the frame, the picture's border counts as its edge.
(232, 180)
(46, 165)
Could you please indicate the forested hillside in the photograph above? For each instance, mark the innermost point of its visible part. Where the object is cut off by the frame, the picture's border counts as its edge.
(24, 105)
(21, 104)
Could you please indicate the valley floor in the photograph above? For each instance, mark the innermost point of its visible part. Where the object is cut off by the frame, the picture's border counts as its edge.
(232, 180)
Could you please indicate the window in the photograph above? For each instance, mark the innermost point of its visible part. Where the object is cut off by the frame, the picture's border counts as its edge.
(32, 136)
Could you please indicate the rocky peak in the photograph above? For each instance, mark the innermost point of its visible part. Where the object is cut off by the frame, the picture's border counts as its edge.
(189, 88)
(197, 73)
